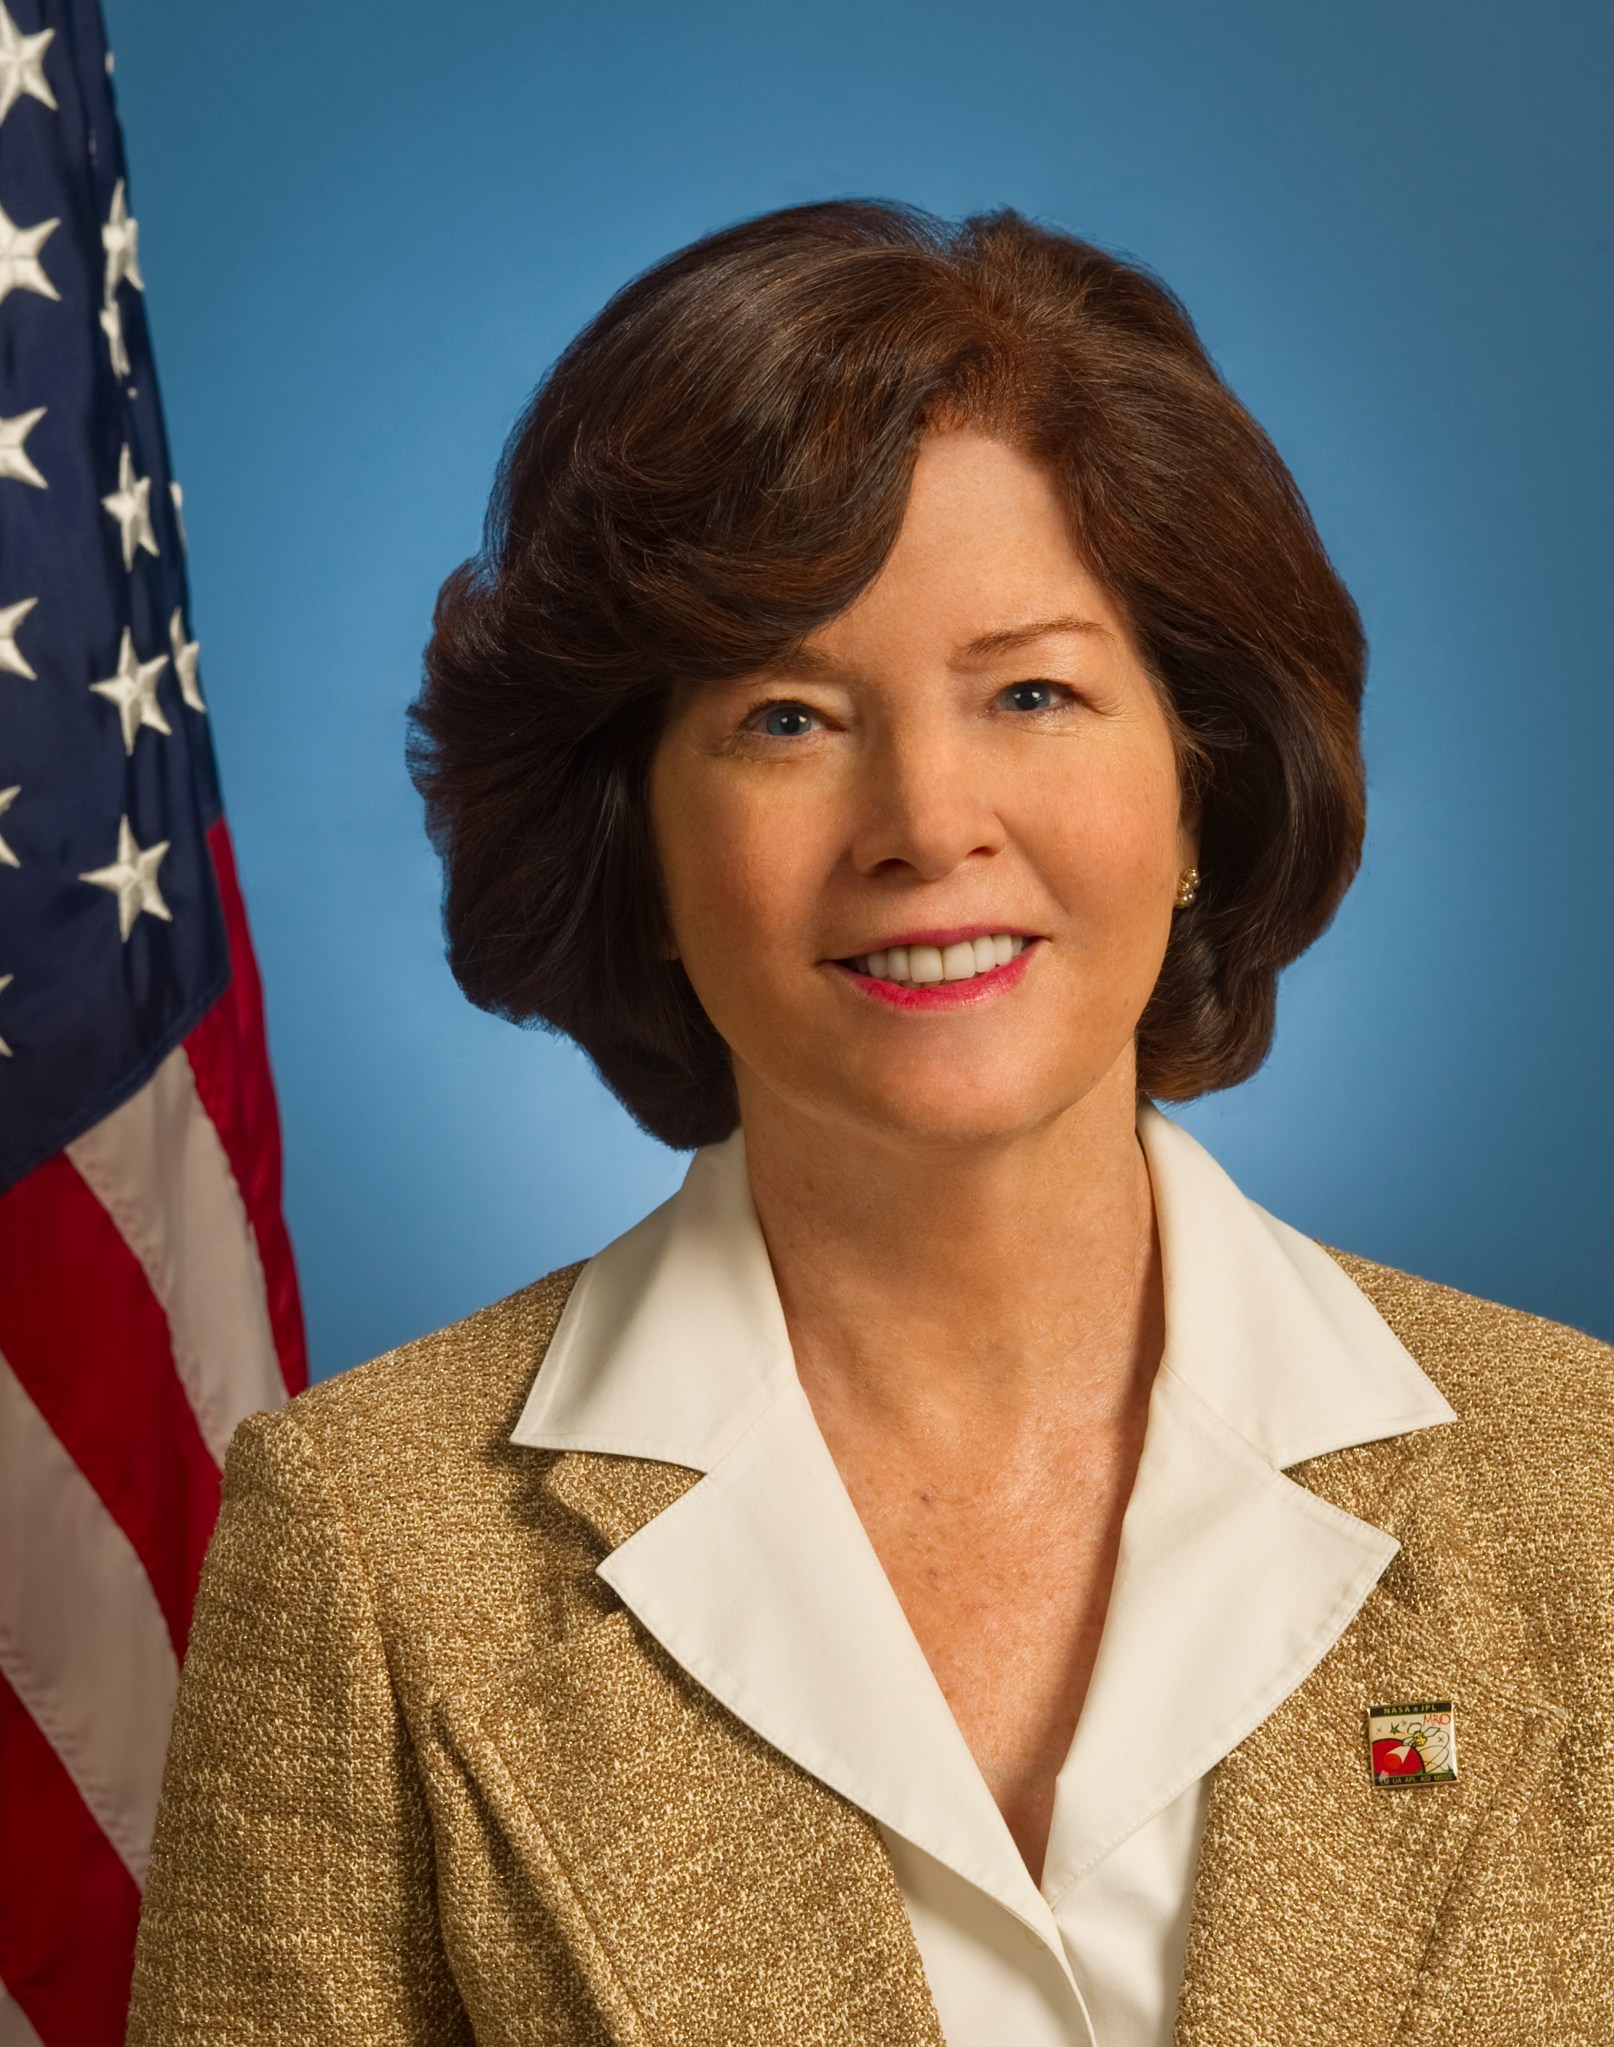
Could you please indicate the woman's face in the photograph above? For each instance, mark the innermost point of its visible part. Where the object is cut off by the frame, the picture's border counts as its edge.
(971, 751)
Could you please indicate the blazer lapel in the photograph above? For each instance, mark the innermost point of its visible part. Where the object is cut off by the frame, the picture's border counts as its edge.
(1320, 1896)
(718, 1891)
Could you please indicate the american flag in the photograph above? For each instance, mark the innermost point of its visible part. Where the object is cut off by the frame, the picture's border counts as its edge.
(147, 1295)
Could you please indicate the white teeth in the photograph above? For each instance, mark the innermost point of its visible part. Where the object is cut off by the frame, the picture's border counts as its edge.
(924, 966)
(958, 961)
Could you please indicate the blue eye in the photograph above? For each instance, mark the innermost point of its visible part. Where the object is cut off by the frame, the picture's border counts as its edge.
(786, 721)
(1023, 690)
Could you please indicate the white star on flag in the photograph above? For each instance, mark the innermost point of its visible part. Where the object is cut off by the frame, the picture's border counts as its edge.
(132, 878)
(130, 505)
(120, 238)
(7, 798)
(133, 688)
(5, 982)
(186, 656)
(178, 497)
(14, 459)
(111, 318)
(12, 659)
(20, 268)
(22, 64)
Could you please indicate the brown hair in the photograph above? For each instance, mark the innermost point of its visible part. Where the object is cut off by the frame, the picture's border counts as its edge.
(719, 463)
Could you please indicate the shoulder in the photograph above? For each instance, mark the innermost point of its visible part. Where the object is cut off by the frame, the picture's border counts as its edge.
(1498, 1366)
(391, 1501)
(1522, 1485)
(451, 1388)
(1505, 1518)
(418, 1434)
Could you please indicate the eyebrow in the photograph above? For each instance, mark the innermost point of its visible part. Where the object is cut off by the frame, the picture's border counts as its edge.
(808, 661)
(1008, 638)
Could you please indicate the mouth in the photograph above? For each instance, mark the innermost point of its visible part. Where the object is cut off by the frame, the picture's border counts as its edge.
(929, 976)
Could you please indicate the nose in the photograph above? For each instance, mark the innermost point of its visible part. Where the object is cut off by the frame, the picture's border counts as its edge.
(925, 802)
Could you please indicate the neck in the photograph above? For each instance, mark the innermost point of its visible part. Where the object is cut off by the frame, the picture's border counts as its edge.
(994, 1284)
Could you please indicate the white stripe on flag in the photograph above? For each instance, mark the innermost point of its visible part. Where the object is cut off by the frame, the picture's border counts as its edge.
(15, 2030)
(82, 1638)
(158, 1169)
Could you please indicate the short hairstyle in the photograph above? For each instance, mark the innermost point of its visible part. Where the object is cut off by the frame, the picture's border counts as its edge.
(719, 463)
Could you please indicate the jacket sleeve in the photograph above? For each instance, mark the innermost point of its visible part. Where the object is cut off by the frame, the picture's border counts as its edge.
(291, 1893)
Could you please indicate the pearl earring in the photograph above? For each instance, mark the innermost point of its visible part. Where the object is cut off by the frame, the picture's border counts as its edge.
(1187, 887)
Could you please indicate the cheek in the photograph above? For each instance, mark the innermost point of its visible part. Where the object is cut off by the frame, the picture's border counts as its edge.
(737, 870)
(1114, 840)
(737, 893)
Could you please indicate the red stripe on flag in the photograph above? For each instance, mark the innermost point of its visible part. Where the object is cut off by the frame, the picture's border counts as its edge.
(229, 1056)
(89, 1342)
(68, 1905)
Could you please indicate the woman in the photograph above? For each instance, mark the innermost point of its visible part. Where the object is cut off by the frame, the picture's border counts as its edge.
(959, 1570)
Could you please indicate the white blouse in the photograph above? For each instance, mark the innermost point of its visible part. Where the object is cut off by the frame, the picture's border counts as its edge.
(1231, 1585)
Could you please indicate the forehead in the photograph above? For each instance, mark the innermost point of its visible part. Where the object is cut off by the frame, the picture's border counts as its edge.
(985, 551)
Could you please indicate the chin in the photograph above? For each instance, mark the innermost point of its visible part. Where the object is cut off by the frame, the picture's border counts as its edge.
(947, 1115)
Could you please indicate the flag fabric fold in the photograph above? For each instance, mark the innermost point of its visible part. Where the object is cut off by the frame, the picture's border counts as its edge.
(148, 1299)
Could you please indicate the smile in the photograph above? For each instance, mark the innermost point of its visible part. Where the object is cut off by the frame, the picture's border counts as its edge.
(925, 966)
(941, 977)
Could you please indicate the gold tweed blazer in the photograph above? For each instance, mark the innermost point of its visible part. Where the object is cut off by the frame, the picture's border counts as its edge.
(430, 1783)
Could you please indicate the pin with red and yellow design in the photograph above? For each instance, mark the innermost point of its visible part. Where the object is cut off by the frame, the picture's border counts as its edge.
(1413, 1744)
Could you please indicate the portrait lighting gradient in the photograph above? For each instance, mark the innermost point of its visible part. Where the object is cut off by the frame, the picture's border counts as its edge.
(366, 229)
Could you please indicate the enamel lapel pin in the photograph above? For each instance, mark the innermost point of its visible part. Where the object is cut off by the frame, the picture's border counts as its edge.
(1414, 1744)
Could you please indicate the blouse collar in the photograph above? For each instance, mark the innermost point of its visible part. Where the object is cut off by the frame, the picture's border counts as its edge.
(673, 1340)
(1232, 1580)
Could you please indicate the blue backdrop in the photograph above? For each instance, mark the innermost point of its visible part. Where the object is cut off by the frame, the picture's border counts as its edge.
(368, 226)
